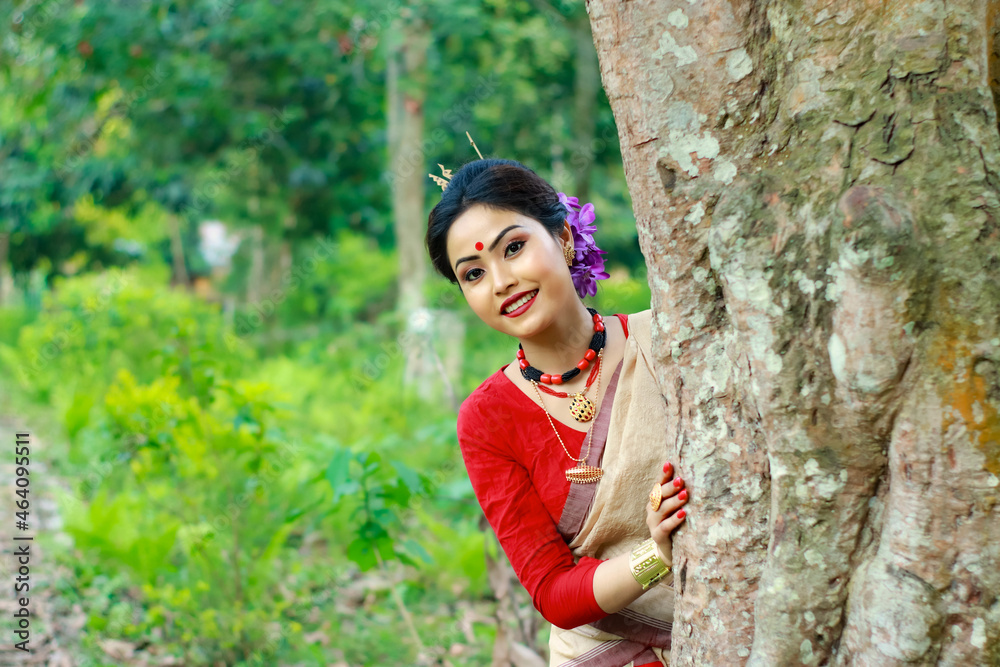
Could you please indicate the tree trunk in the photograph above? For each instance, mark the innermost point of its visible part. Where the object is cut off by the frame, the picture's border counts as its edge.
(815, 186)
(406, 91)
(406, 83)
(255, 279)
(177, 253)
(6, 275)
(585, 88)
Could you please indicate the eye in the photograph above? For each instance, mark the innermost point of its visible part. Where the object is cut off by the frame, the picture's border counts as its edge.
(471, 274)
(515, 245)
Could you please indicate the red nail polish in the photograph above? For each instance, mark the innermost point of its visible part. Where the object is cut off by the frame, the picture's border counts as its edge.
(678, 482)
(681, 514)
(683, 495)
(667, 466)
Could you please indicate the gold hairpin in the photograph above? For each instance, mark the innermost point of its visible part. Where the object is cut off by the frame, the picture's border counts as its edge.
(443, 182)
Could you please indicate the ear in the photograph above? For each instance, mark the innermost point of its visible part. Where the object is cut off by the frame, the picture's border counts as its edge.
(566, 235)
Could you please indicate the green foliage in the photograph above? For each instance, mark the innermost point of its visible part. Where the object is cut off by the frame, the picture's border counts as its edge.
(623, 294)
(237, 464)
(123, 532)
(198, 474)
(461, 547)
(207, 109)
(322, 285)
(209, 492)
(96, 324)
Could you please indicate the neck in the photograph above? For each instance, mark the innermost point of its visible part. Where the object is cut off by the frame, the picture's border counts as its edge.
(563, 344)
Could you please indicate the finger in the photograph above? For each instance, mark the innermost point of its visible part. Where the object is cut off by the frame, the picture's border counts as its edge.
(666, 505)
(674, 503)
(672, 488)
(667, 473)
(668, 525)
(671, 503)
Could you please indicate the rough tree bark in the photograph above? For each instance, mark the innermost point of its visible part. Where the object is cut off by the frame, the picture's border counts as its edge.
(407, 87)
(816, 190)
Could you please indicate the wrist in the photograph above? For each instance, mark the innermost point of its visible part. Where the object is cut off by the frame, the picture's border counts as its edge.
(667, 560)
(647, 565)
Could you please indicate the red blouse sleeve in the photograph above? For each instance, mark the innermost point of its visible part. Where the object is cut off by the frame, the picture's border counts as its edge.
(561, 590)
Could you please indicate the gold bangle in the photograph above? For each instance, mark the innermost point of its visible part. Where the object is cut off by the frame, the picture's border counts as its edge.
(646, 566)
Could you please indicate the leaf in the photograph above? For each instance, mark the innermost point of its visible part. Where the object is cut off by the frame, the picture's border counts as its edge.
(409, 477)
(396, 493)
(360, 551)
(298, 512)
(275, 544)
(338, 471)
(78, 413)
(411, 546)
(371, 461)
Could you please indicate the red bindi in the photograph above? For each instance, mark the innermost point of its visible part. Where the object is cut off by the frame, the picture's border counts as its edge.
(479, 245)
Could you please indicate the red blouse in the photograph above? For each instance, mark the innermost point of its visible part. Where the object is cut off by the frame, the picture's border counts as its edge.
(517, 469)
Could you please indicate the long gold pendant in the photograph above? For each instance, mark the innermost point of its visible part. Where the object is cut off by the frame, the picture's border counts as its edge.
(584, 474)
(582, 408)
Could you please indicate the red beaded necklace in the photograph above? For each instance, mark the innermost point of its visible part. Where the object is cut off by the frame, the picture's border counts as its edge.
(590, 381)
(531, 373)
(582, 408)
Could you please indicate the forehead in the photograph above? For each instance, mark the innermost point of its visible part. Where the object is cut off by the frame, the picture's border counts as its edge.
(482, 224)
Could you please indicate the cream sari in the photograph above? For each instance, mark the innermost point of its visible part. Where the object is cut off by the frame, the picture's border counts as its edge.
(606, 519)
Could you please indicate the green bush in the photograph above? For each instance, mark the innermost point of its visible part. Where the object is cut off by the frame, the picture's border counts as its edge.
(201, 468)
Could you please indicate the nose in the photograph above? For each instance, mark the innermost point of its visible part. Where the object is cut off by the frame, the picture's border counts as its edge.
(503, 279)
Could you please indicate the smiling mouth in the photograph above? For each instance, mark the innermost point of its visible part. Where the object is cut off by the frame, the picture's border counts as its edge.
(519, 303)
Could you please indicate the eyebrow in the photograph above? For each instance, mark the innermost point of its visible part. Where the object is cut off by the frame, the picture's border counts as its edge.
(492, 245)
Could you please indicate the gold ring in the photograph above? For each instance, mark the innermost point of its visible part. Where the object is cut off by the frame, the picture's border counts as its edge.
(656, 496)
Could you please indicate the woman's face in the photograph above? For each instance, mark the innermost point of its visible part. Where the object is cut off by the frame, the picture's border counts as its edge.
(503, 259)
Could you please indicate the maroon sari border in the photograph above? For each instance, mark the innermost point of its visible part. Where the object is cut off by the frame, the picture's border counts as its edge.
(612, 654)
(638, 628)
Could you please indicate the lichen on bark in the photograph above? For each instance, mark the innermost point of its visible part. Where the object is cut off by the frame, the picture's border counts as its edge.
(816, 190)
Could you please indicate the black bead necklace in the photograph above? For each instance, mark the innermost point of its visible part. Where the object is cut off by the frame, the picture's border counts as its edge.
(597, 341)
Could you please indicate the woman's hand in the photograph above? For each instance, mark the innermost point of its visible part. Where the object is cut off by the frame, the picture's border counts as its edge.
(665, 519)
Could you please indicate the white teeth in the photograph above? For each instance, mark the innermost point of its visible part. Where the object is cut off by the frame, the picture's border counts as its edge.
(520, 302)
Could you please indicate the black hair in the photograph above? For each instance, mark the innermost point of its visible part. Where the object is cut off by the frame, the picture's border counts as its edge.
(504, 185)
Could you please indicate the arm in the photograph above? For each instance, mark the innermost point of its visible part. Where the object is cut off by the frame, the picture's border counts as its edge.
(614, 586)
(566, 593)
(561, 589)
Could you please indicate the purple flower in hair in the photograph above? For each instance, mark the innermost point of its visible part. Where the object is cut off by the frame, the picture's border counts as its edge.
(588, 267)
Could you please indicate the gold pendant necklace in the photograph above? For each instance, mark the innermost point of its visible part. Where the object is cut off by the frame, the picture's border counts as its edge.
(582, 408)
(584, 474)
(581, 472)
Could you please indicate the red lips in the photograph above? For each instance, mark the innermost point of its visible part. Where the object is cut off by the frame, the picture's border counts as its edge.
(512, 299)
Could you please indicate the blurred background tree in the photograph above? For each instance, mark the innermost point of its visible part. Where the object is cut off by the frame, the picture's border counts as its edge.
(278, 120)
(211, 254)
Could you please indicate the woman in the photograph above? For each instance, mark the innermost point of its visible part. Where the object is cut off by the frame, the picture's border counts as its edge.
(562, 474)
